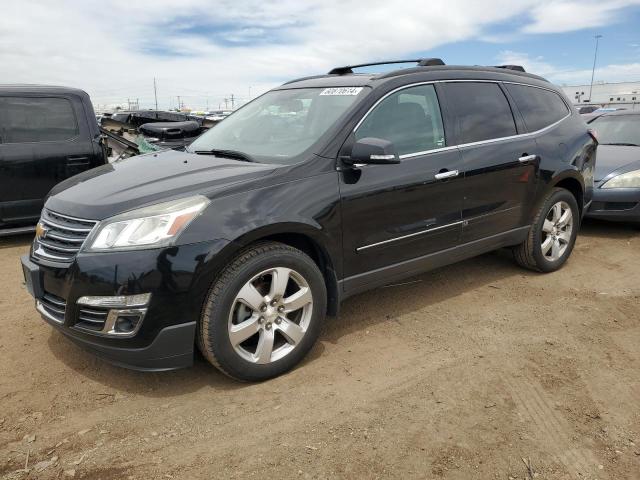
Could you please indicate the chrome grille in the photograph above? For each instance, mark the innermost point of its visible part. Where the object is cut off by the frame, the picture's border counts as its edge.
(54, 306)
(92, 319)
(62, 236)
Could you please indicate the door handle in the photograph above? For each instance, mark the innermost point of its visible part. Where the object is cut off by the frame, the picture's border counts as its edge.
(527, 158)
(447, 174)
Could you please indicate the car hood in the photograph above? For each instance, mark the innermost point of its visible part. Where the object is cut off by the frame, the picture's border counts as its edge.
(614, 158)
(147, 179)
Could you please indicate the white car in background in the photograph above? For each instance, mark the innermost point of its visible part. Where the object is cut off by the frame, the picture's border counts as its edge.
(218, 115)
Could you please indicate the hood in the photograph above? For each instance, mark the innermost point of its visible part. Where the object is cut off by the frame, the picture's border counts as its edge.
(146, 179)
(611, 158)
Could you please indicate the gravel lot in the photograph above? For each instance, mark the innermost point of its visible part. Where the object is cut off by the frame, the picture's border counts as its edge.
(467, 372)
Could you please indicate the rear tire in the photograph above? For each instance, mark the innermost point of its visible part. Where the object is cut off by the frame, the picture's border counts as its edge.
(263, 313)
(552, 235)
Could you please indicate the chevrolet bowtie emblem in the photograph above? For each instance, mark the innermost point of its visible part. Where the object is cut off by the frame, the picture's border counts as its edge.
(41, 231)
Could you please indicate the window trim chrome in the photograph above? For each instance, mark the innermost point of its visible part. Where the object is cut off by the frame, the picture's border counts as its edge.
(470, 144)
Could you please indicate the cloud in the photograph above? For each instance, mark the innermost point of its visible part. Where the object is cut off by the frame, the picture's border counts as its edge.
(205, 51)
(564, 16)
(562, 75)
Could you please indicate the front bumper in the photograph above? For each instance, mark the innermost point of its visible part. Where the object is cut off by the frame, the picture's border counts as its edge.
(177, 277)
(616, 204)
(171, 349)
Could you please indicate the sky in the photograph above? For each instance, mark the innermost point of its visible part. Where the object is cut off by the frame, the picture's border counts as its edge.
(206, 51)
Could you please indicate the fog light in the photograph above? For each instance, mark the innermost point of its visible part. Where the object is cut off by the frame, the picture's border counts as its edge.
(123, 323)
(118, 301)
(126, 323)
(124, 313)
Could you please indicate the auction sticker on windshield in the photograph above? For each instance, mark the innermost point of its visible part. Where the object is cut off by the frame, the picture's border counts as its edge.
(341, 91)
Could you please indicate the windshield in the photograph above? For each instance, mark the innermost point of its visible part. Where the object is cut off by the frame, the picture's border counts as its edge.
(279, 125)
(618, 129)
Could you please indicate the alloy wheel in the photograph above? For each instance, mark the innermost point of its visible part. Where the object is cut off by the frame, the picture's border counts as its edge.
(556, 231)
(270, 315)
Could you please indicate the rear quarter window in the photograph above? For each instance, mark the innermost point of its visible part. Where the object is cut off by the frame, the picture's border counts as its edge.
(41, 119)
(539, 108)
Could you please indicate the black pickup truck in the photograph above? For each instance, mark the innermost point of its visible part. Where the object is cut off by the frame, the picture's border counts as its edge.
(47, 134)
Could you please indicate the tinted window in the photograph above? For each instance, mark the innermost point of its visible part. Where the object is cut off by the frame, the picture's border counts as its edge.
(25, 120)
(540, 108)
(482, 110)
(409, 118)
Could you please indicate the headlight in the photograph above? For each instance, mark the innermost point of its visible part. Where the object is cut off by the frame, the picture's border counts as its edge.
(626, 180)
(148, 227)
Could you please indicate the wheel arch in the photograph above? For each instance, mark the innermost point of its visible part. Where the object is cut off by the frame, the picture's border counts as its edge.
(309, 240)
(572, 182)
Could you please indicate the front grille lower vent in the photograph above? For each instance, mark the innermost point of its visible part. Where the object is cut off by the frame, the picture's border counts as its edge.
(62, 236)
(613, 205)
(620, 205)
(54, 306)
(91, 319)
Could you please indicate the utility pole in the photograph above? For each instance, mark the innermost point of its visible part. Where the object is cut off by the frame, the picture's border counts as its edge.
(593, 71)
(155, 93)
(232, 101)
(226, 103)
(179, 104)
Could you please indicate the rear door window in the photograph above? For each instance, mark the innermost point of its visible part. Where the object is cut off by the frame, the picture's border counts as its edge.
(540, 108)
(481, 110)
(31, 119)
(410, 118)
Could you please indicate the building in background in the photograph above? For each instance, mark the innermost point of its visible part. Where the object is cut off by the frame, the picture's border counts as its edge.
(621, 95)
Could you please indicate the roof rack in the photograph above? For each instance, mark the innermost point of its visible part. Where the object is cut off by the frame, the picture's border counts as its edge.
(517, 68)
(422, 62)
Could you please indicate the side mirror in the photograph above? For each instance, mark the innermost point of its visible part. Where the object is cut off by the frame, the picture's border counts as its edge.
(372, 151)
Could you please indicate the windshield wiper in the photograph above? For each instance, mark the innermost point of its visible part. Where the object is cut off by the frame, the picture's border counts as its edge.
(236, 155)
(622, 144)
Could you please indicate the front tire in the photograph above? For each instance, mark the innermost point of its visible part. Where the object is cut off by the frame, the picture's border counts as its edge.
(552, 235)
(263, 313)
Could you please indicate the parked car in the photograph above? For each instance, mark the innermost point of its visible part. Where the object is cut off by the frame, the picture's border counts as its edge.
(243, 242)
(47, 134)
(588, 109)
(617, 174)
(218, 115)
(603, 110)
(133, 120)
(171, 134)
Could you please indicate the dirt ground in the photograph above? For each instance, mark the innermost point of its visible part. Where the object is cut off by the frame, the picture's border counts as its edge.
(472, 371)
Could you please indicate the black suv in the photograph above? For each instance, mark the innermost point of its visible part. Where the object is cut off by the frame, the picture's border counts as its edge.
(317, 190)
(47, 134)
